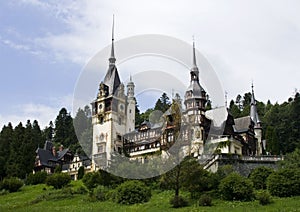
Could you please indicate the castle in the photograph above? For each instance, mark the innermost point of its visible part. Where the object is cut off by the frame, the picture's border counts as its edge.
(113, 121)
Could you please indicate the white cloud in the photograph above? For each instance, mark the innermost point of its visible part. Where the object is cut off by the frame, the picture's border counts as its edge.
(44, 113)
(244, 40)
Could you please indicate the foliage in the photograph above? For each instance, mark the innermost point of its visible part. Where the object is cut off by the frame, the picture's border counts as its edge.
(263, 197)
(178, 202)
(259, 177)
(12, 184)
(291, 160)
(100, 193)
(132, 192)
(58, 180)
(205, 200)
(284, 183)
(91, 180)
(236, 187)
(80, 172)
(36, 178)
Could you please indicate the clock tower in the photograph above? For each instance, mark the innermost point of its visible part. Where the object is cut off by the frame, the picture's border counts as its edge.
(110, 118)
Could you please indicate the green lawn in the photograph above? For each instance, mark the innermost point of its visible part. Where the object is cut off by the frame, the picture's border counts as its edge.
(23, 201)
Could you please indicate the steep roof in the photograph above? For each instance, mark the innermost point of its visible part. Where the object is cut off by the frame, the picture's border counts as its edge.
(253, 110)
(242, 124)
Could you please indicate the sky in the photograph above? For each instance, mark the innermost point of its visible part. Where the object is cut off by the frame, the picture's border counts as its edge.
(45, 45)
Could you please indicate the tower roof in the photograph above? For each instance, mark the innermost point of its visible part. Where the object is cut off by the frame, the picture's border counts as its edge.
(112, 79)
(195, 86)
(253, 110)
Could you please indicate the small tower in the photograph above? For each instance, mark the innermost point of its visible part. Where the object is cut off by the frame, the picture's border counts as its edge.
(130, 123)
(257, 123)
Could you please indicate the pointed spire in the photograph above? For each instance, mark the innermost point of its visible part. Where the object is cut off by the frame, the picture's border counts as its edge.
(194, 54)
(253, 109)
(194, 70)
(112, 58)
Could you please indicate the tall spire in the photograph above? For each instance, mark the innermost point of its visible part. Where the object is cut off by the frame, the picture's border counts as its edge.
(194, 70)
(112, 58)
(253, 109)
(194, 54)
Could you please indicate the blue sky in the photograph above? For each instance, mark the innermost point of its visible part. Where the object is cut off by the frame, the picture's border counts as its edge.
(44, 45)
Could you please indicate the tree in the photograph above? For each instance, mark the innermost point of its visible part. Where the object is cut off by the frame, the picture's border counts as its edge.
(64, 129)
(48, 132)
(163, 103)
(6, 136)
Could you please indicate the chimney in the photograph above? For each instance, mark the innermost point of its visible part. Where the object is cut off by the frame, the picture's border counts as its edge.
(61, 148)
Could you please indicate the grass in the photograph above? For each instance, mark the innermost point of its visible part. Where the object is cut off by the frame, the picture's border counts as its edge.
(25, 200)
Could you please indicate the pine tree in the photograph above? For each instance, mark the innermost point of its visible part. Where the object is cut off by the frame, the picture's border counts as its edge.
(5, 142)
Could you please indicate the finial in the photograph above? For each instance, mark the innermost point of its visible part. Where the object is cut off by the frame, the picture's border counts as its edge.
(112, 58)
(194, 53)
(130, 78)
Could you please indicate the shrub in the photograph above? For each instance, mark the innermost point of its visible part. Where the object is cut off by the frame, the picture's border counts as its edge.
(259, 177)
(205, 200)
(80, 172)
(236, 187)
(131, 192)
(284, 183)
(58, 180)
(100, 193)
(37, 178)
(80, 190)
(91, 180)
(263, 197)
(178, 202)
(12, 184)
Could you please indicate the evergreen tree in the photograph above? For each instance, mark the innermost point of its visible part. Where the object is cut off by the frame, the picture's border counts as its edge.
(5, 143)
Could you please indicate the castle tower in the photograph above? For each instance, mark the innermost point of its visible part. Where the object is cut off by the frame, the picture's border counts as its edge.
(130, 122)
(257, 124)
(109, 115)
(195, 102)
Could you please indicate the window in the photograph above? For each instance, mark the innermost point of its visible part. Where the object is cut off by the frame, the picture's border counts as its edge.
(100, 149)
(120, 120)
(130, 111)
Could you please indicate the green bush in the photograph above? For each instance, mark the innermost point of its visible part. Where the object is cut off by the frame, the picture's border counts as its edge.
(58, 180)
(259, 177)
(284, 183)
(12, 184)
(100, 193)
(178, 202)
(80, 172)
(91, 180)
(263, 197)
(236, 187)
(131, 192)
(37, 178)
(205, 200)
(80, 190)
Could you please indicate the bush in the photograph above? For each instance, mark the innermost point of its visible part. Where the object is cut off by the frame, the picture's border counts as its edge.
(236, 187)
(284, 183)
(131, 192)
(205, 200)
(12, 184)
(100, 193)
(37, 178)
(58, 180)
(264, 197)
(178, 202)
(80, 172)
(80, 190)
(259, 177)
(91, 180)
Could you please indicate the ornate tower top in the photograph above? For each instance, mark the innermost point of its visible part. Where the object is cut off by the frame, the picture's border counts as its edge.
(253, 109)
(112, 79)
